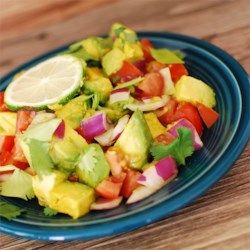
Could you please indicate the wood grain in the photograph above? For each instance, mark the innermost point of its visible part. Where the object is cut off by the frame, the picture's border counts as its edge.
(220, 219)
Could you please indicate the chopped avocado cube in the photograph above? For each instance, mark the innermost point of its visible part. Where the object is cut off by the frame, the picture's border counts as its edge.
(93, 166)
(113, 112)
(155, 127)
(92, 48)
(127, 41)
(101, 86)
(8, 123)
(72, 136)
(71, 198)
(113, 61)
(73, 112)
(135, 140)
(65, 155)
(192, 90)
(42, 186)
(94, 73)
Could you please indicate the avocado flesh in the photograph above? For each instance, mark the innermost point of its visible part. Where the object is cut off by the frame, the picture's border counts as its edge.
(113, 61)
(42, 186)
(190, 89)
(73, 112)
(155, 127)
(135, 140)
(101, 86)
(127, 41)
(8, 123)
(71, 198)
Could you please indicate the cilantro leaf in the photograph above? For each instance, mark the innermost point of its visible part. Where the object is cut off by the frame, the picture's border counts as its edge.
(49, 211)
(180, 148)
(10, 211)
(119, 30)
(18, 185)
(40, 160)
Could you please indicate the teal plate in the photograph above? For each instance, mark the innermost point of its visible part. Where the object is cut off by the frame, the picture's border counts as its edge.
(223, 144)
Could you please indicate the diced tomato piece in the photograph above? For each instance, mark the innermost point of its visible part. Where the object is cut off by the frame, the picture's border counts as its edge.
(127, 72)
(3, 107)
(188, 111)
(154, 66)
(6, 172)
(6, 143)
(165, 138)
(6, 158)
(146, 45)
(152, 84)
(177, 71)
(116, 160)
(175, 111)
(108, 189)
(208, 115)
(17, 153)
(130, 183)
(24, 118)
(166, 114)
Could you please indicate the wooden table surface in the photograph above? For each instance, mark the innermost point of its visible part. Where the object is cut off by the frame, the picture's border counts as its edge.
(220, 219)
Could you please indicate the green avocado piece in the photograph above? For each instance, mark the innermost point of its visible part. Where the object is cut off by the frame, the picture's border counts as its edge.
(73, 112)
(135, 140)
(65, 153)
(8, 123)
(92, 48)
(127, 41)
(93, 166)
(71, 198)
(190, 89)
(113, 61)
(101, 86)
(42, 185)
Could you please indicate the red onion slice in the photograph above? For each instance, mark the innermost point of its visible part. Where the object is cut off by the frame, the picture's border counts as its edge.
(95, 125)
(118, 95)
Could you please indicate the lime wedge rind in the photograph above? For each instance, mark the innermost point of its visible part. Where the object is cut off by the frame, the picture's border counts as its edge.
(66, 72)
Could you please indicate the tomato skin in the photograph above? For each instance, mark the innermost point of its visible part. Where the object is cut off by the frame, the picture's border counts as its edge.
(127, 72)
(176, 111)
(108, 189)
(188, 111)
(208, 115)
(6, 158)
(24, 118)
(130, 183)
(177, 71)
(6, 143)
(166, 114)
(152, 85)
(146, 45)
(3, 107)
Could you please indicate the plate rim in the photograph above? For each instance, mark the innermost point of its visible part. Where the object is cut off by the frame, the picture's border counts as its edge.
(105, 229)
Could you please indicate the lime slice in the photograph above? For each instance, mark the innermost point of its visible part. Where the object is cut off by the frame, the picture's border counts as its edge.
(55, 80)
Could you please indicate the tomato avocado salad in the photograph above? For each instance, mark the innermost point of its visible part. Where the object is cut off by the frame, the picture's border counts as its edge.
(110, 119)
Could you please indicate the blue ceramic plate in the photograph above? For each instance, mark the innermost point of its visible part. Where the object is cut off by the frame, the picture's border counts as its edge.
(223, 144)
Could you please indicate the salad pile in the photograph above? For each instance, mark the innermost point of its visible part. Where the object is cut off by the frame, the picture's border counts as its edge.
(110, 119)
